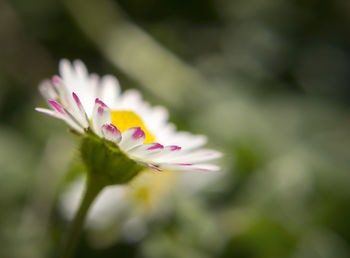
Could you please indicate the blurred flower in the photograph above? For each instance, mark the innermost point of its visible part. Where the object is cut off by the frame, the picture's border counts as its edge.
(92, 104)
(130, 206)
(126, 211)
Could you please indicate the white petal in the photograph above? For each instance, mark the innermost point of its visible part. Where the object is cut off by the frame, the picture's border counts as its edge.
(48, 90)
(75, 78)
(80, 68)
(60, 113)
(156, 118)
(132, 137)
(131, 99)
(186, 140)
(153, 167)
(108, 90)
(146, 150)
(67, 73)
(168, 153)
(111, 133)
(65, 68)
(198, 156)
(79, 111)
(191, 167)
(189, 141)
(101, 115)
(48, 112)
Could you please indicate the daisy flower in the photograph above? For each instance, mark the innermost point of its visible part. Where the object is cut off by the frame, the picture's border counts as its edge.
(89, 103)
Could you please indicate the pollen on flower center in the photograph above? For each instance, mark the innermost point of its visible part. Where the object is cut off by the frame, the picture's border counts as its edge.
(124, 120)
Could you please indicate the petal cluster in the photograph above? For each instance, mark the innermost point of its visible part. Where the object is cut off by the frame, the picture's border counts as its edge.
(85, 101)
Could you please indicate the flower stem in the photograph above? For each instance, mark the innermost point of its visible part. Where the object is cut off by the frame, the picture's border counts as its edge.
(93, 188)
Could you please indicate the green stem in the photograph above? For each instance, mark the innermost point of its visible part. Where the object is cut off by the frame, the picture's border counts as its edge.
(93, 188)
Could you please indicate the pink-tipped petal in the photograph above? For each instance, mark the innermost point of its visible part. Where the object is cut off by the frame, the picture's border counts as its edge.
(56, 80)
(48, 90)
(77, 101)
(57, 107)
(98, 101)
(168, 153)
(111, 133)
(79, 112)
(154, 167)
(132, 137)
(63, 116)
(138, 133)
(146, 151)
(55, 90)
(100, 111)
(173, 147)
(47, 112)
(101, 115)
(155, 146)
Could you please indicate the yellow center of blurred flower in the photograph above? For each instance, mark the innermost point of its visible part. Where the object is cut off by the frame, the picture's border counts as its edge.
(124, 120)
(148, 188)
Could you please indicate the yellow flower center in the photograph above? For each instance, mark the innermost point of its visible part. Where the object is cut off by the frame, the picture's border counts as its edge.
(124, 120)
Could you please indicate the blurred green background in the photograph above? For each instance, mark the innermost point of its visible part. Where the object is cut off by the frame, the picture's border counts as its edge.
(267, 81)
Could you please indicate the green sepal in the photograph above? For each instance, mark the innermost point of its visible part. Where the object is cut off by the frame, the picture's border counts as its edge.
(106, 162)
